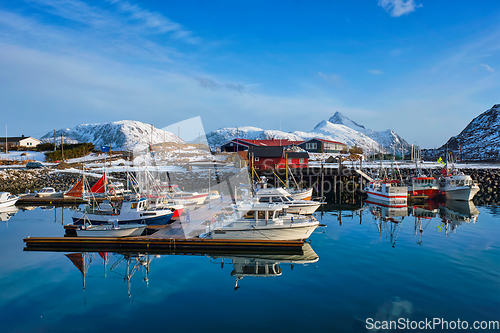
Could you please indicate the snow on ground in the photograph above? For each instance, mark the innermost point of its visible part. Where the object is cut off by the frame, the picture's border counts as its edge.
(17, 155)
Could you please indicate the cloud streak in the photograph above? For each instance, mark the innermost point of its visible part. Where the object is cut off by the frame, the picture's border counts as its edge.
(397, 8)
(488, 68)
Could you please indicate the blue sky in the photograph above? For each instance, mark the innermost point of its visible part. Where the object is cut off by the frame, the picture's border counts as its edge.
(423, 68)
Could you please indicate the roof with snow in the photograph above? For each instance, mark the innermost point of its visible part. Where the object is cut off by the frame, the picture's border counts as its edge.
(324, 140)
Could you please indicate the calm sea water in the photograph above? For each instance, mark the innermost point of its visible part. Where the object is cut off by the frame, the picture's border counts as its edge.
(371, 263)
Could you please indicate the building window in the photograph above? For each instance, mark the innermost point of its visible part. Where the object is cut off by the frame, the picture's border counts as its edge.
(256, 159)
(311, 145)
(290, 161)
(301, 161)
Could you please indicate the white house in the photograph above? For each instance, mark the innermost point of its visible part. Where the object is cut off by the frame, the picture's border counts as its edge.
(20, 142)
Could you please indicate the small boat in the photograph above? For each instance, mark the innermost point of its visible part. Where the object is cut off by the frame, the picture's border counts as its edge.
(458, 186)
(295, 206)
(388, 191)
(261, 221)
(49, 192)
(110, 230)
(134, 211)
(7, 199)
(176, 193)
(213, 195)
(423, 186)
(302, 194)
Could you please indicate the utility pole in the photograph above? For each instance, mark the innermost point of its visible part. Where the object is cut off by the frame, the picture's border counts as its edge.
(6, 143)
(62, 147)
(55, 145)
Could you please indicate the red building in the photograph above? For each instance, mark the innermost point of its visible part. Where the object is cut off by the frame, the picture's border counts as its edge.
(276, 157)
(244, 144)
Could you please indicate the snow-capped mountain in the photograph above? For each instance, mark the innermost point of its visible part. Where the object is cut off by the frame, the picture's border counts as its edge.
(388, 139)
(341, 133)
(222, 135)
(120, 135)
(479, 141)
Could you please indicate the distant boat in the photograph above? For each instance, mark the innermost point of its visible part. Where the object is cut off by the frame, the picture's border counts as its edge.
(7, 199)
(388, 192)
(49, 192)
(279, 195)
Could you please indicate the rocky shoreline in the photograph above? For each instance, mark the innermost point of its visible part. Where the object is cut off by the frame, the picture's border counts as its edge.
(19, 181)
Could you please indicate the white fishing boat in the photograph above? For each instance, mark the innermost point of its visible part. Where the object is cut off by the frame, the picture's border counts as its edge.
(458, 186)
(387, 191)
(134, 211)
(111, 230)
(7, 199)
(295, 206)
(301, 194)
(47, 192)
(261, 221)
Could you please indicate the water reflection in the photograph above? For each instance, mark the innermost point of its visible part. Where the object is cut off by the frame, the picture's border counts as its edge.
(265, 265)
(389, 218)
(453, 213)
(128, 264)
(7, 212)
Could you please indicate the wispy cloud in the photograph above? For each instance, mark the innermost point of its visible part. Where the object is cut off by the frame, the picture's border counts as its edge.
(397, 8)
(211, 84)
(333, 79)
(488, 68)
(375, 71)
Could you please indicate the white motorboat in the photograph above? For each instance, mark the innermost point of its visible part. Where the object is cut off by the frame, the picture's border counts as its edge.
(175, 192)
(7, 199)
(279, 195)
(49, 192)
(261, 221)
(387, 191)
(111, 230)
(134, 211)
(301, 194)
(458, 186)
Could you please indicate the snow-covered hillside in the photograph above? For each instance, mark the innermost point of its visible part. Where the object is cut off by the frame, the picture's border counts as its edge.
(120, 135)
(479, 141)
(335, 132)
(388, 139)
(222, 135)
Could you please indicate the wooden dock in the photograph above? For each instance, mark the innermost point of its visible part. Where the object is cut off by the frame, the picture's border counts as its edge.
(160, 245)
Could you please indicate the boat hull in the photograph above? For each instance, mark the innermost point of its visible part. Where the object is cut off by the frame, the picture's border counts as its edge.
(9, 202)
(293, 232)
(302, 195)
(154, 218)
(303, 209)
(465, 193)
(393, 200)
(100, 231)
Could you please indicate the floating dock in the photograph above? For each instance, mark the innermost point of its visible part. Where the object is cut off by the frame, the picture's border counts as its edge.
(160, 245)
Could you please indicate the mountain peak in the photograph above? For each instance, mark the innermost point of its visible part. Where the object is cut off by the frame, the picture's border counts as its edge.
(339, 118)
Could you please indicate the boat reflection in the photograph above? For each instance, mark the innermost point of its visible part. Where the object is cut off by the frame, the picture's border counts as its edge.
(453, 213)
(7, 212)
(266, 265)
(423, 216)
(129, 264)
(388, 219)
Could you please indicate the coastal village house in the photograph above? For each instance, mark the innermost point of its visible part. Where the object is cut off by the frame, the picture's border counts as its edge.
(243, 144)
(316, 145)
(19, 142)
(276, 157)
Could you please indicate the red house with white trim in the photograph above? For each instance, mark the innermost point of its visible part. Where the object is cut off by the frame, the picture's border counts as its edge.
(276, 157)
